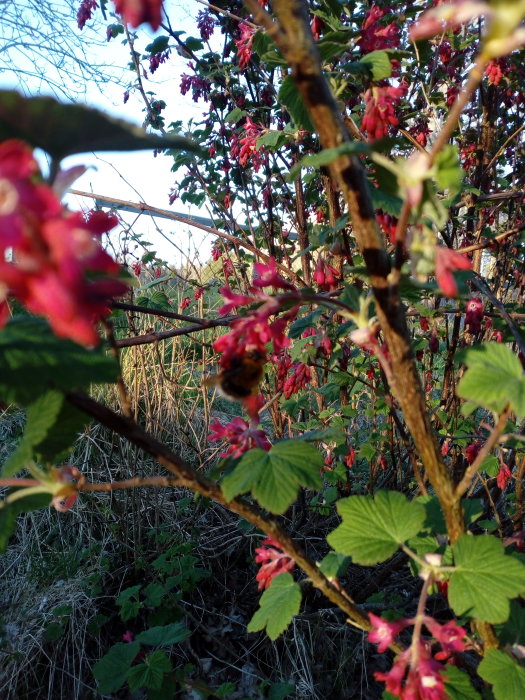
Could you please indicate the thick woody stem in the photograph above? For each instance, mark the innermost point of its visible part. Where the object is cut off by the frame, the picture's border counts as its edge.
(185, 476)
(294, 39)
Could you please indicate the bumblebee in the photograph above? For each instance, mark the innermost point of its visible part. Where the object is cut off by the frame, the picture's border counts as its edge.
(242, 378)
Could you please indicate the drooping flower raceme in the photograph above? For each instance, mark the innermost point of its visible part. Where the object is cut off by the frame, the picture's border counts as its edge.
(240, 436)
(50, 259)
(274, 562)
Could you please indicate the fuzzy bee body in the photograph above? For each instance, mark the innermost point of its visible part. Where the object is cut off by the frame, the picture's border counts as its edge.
(242, 378)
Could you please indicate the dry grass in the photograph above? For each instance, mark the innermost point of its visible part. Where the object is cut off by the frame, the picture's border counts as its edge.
(83, 559)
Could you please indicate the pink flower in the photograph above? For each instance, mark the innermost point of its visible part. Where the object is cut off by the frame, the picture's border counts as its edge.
(383, 633)
(57, 267)
(205, 24)
(233, 301)
(274, 562)
(240, 436)
(185, 303)
(248, 145)
(503, 477)
(350, 459)
(244, 44)
(135, 12)
(425, 681)
(380, 104)
(298, 380)
(66, 498)
(447, 261)
(389, 225)
(373, 36)
(393, 679)
(266, 275)
(317, 27)
(128, 636)
(325, 276)
(85, 11)
(450, 636)
(449, 16)
(474, 315)
(216, 253)
(198, 293)
(471, 451)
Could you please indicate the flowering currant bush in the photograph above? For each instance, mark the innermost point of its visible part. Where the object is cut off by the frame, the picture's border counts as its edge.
(364, 164)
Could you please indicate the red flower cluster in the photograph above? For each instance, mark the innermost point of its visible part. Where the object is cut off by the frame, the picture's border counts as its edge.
(85, 11)
(416, 673)
(375, 37)
(474, 315)
(248, 145)
(135, 12)
(156, 59)
(299, 378)
(504, 476)
(350, 457)
(244, 44)
(447, 261)
(251, 333)
(185, 303)
(240, 436)
(389, 225)
(380, 104)
(205, 24)
(274, 562)
(198, 293)
(471, 451)
(50, 259)
(493, 72)
(325, 276)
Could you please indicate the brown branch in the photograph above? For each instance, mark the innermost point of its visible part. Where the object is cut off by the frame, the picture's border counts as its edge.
(155, 336)
(204, 322)
(488, 243)
(143, 207)
(295, 41)
(185, 476)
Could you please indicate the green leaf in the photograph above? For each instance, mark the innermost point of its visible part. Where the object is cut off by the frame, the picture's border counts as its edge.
(274, 477)
(334, 565)
(51, 427)
(504, 673)
(64, 129)
(494, 378)
(290, 97)
(374, 527)
(378, 63)
(235, 115)
(458, 685)
(332, 434)
(10, 512)
(271, 140)
(111, 672)
(34, 360)
(159, 45)
(164, 635)
(513, 631)
(325, 157)
(150, 674)
(490, 465)
(278, 605)
(485, 579)
(280, 691)
(449, 173)
(302, 324)
(128, 602)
